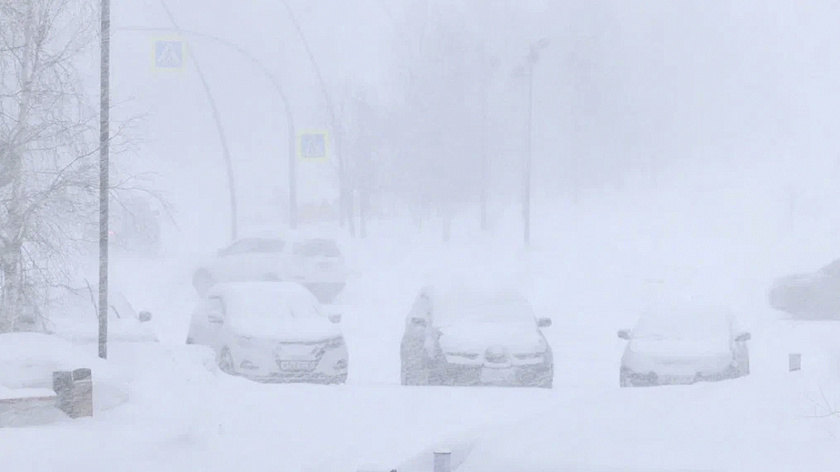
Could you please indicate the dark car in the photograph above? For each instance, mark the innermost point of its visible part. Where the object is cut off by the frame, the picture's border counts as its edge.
(461, 337)
(809, 296)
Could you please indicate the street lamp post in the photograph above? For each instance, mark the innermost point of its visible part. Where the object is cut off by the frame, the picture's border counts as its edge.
(286, 106)
(533, 57)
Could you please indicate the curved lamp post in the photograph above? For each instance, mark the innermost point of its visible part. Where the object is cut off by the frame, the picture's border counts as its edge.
(286, 105)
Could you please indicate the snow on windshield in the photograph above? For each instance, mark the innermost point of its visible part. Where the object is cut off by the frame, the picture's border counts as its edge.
(697, 326)
(265, 310)
(489, 311)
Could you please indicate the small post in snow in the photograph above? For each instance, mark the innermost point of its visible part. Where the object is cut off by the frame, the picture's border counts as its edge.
(74, 392)
(443, 461)
(794, 362)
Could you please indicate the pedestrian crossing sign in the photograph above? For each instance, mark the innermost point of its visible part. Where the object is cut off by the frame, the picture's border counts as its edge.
(168, 54)
(313, 146)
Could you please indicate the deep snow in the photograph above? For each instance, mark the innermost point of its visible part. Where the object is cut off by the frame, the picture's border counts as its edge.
(593, 269)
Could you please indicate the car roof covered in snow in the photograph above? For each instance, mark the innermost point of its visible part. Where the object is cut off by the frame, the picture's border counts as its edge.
(269, 290)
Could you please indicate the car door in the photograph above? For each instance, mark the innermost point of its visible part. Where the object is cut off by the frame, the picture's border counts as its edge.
(215, 320)
(417, 328)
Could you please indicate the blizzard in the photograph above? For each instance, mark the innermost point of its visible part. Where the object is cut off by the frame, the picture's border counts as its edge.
(659, 157)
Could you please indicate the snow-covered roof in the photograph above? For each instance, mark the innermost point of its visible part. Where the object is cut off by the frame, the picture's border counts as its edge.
(271, 291)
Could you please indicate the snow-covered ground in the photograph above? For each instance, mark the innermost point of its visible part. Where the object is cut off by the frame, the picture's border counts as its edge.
(593, 269)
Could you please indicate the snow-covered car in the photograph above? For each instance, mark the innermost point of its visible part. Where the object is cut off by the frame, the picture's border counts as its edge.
(75, 318)
(683, 348)
(317, 263)
(461, 336)
(270, 331)
(814, 295)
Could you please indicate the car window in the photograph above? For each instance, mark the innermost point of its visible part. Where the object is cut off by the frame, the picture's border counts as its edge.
(420, 308)
(317, 247)
(512, 311)
(695, 327)
(215, 305)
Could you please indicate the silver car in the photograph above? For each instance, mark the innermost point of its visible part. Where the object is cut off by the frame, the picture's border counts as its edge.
(316, 263)
(270, 331)
(462, 337)
(675, 348)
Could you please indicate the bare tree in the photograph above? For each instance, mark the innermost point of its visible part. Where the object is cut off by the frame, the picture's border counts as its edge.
(47, 151)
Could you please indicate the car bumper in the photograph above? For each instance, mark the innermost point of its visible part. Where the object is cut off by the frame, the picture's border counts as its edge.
(330, 367)
(651, 379)
(512, 376)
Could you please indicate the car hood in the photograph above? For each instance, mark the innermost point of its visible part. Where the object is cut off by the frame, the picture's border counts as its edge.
(677, 357)
(477, 337)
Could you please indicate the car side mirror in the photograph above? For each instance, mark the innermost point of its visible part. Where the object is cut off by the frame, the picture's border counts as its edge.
(544, 322)
(743, 337)
(624, 334)
(418, 323)
(216, 318)
(144, 316)
(334, 318)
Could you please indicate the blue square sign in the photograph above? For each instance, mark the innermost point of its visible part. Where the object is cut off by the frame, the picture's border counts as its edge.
(312, 146)
(169, 54)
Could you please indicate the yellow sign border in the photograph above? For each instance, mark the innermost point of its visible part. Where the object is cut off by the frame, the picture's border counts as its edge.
(299, 146)
(157, 39)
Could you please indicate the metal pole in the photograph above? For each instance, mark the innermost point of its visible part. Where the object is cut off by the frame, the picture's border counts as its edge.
(292, 173)
(104, 141)
(234, 206)
(345, 198)
(526, 204)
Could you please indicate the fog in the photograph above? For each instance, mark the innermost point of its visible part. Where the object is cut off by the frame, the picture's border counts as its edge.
(580, 164)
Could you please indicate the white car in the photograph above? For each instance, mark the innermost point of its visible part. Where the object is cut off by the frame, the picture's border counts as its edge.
(76, 319)
(316, 263)
(270, 331)
(683, 348)
(472, 337)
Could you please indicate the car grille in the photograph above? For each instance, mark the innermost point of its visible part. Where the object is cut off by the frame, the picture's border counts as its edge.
(496, 355)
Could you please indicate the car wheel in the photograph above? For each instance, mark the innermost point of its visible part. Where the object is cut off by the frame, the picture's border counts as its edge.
(744, 366)
(226, 363)
(547, 380)
(623, 381)
(202, 281)
(412, 375)
(190, 340)
(339, 380)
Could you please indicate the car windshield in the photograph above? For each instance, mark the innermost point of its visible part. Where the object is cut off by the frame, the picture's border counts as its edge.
(258, 317)
(678, 327)
(317, 247)
(501, 311)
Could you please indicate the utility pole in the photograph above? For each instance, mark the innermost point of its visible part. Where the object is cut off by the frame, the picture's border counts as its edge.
(104, 142)
(532, 59)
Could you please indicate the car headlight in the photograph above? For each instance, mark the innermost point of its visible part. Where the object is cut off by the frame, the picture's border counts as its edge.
(531, 355)
(465, 355)
(334, 343)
